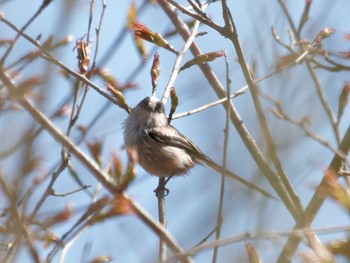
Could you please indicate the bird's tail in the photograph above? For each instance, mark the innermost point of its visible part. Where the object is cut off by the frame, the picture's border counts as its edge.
(207, 161)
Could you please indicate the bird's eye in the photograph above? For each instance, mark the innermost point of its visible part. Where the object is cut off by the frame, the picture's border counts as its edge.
(159, 107)
(144, 104)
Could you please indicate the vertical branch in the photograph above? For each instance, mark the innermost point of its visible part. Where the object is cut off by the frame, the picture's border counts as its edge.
(248, 74)
(235, 117)
(91, 16)
(315, 203)
(162, 181)
(91, 71)
(98, 34)
(162, 217)
(159, 229)
(224, 164)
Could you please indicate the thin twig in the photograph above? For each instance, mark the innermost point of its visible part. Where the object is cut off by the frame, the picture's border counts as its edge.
(320, 91)
(206, 237)
(32, 133)
(220, 219)
(279, 113)
(48, 191)
(323, 98)
(212, 104)
(279, 41)
(338, 65)
(259, 236)
(76, 109)
(91, 16)
(203, 19)
(98, 34)
(120, 38)
(78, 227)
(198, 9)
(179, 57)
(241, 90)
(44, 4)
(69, 244)
(48, 56)
(70, 236)
(71, 192)
(19, 222)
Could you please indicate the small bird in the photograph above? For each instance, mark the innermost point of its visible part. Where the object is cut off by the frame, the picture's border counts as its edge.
(162, 150)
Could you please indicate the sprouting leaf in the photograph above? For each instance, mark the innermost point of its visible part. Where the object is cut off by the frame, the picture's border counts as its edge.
(6, 42)
(119, 97)
(174, 102)
(83, 56)
(102, 259)
(252, 254)
(65, 110)
(344, 54)
(49, 238)
(340, 247)
(95, 148)
(324, 33)
(108, 77)
(26, 87)
(82, 128)
(145, 33)
(347, 36)
(333, 189)
(32, 163)
(132, 14)
(130, 173)
(141, 47)
(120, 205)
(60, 217)
(202, 59)
(48, 44)
(343, 99)
(117, 168)
(95, 209)
(155, 71)
(63, 42)
(286, 60)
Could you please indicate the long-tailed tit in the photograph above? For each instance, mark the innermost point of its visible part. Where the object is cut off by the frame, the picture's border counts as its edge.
(162, 149)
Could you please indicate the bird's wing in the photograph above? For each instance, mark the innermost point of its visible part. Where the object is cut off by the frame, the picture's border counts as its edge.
(169, 136)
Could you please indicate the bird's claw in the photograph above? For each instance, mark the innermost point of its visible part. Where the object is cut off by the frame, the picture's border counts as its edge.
(161, 190)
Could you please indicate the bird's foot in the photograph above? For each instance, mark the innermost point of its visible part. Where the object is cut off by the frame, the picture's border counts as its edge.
(161, 190)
